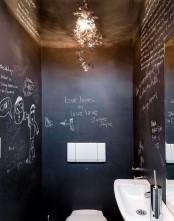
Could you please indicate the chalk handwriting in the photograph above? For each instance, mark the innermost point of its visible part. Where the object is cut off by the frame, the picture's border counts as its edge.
(171, 120)
(31, 3)
(150, 102)
(83, 113)
(11, 148)
(155, 30)
(6, 68)
(156, 27)
(13, 165)
(27, 15)
(141, 161)
(148, 82)
(6, 85)
(79, 99)
(172, 101)
(161, 159)
(140, 148)
(156, 130)
(101, 121)
(170, 113)
(140, 152)
(157, 145)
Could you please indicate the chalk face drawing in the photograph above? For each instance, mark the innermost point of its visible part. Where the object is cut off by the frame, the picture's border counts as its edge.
(17, 117)
(19, 110)
(34, 129)
(18, 126)
(5, 107)
(28, 87)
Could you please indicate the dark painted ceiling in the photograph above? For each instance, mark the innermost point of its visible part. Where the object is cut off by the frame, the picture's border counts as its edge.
(57, 21)
(116, 19)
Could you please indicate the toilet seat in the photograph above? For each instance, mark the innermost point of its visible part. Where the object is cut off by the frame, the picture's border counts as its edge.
(86, 215)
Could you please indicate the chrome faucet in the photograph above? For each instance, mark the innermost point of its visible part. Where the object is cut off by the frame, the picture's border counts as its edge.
(139, 177)
(138, 169)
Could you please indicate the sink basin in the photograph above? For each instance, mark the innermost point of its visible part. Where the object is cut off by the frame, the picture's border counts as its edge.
(132, 203)
(170, 195)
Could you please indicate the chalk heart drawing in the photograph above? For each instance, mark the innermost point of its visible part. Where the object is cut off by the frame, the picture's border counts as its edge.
(28, 87)
(5, 107)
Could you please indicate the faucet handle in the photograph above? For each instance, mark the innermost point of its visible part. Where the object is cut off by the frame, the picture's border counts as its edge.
(138, 169)
(139, 177)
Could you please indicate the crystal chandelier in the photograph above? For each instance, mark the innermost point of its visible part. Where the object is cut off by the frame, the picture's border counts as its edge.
(86, 33)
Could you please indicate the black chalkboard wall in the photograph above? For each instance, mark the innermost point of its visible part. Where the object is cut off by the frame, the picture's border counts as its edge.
(169, 93)
(157, 25)
(100, 104)
(20, 132)
(169, 101)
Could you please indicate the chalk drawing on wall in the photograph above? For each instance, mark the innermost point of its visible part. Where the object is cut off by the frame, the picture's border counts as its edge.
(13, 165)
(6, 68)
(162, 160)
(70, 124)
(84, 109)
(5, 107)
(21, 115)
(26, 12)
(28, 87)
(16, 88)
(170, 114)
(11, 148)
(19, 110)
(48, 123)
(34, 129)
(141, 161)
(140, 153)
(17, 161)
(156, 130)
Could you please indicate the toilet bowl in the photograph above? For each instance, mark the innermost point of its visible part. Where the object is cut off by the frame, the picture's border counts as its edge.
(86, 215)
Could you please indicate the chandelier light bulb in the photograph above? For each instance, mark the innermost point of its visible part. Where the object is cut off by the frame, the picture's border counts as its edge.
(83, 25)
(85, 32)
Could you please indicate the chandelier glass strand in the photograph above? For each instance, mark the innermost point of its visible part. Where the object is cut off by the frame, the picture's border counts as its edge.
(86, 33)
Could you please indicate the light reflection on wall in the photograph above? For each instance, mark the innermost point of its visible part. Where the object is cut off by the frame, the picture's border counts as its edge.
(27, 13)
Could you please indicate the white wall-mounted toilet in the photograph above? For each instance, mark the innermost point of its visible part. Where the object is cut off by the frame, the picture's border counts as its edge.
(86, 215)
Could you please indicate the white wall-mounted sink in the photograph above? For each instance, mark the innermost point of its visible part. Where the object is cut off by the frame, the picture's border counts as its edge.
(170, 195)
(132, 203)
